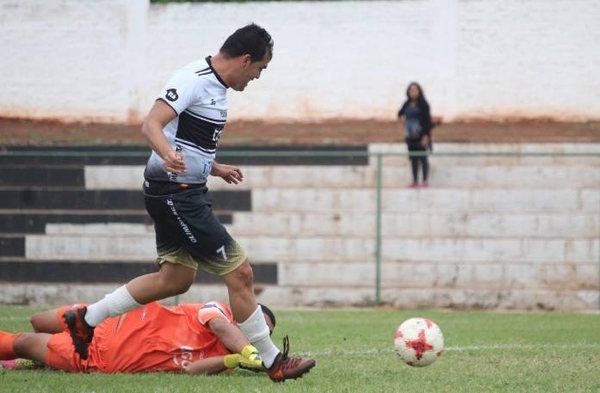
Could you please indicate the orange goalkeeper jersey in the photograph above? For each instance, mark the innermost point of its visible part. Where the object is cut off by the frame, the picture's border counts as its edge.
(159, 338)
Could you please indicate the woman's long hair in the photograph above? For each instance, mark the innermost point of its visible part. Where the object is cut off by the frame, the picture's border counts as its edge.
(421, 101)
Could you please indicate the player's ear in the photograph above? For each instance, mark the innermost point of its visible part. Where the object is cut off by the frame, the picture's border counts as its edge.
(246, 60)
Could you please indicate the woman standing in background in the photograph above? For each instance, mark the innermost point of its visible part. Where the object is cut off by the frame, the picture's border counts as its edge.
(416, 117)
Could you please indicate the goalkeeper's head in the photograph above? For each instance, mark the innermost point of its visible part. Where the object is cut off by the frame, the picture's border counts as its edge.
(270, 317)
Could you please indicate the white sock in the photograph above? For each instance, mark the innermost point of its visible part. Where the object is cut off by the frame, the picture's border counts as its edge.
(256, 330)
(117, 302)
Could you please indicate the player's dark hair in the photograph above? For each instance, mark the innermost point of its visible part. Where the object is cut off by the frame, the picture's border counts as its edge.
(250, 40)
(269, 313)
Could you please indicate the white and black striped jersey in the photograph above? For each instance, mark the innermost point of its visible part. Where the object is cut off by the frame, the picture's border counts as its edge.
(199, 97)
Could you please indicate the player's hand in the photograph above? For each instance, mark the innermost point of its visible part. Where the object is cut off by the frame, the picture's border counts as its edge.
(231, 174)
(250, 359)
(174, 162)
(232, 361)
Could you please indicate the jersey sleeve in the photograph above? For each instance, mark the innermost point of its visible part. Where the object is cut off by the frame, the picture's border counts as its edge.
(181, 91)
(402, 110)
(212, 310)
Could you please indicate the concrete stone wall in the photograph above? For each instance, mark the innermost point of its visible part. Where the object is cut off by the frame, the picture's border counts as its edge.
(520, 230)
(106, 60)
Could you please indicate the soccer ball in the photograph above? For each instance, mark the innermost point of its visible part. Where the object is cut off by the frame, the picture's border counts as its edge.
(418, 342)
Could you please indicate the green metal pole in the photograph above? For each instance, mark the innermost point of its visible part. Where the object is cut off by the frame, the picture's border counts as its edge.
(378, 176)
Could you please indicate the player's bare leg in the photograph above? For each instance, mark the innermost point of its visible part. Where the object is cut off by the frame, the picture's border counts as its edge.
(172, 279)
(23, 351)
(252, 322)
(33, 346)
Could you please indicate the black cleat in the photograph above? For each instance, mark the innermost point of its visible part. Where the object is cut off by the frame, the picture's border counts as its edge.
(285, 367)
(81, 333)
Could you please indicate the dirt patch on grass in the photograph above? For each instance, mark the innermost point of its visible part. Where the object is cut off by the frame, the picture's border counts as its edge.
(348, 132)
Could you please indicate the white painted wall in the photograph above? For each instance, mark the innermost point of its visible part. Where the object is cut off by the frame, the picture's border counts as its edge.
(105, 60)
(71, 59)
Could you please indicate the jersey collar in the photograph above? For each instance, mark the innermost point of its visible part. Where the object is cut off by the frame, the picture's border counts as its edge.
(215, 72)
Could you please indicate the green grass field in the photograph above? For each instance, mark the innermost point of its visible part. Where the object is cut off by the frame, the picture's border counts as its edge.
(485, 352)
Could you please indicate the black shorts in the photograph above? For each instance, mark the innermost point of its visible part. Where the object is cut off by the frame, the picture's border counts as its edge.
(187, 230)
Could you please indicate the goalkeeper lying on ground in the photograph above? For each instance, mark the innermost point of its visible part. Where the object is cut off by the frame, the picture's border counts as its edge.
(194, 338)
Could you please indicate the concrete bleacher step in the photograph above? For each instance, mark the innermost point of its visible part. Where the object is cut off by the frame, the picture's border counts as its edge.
(80, 221)
(500, 177)
(330, 248)
(138, 155)
(12, 245)
(488, 298)
(438, 200)
(496, 154)
(458, 171)
(424, 224)
(64, 199)
(424, 274)
(338, 177)
(330, 295)
(29, 270)
(41, 176)
(35, 221)
(359, 224)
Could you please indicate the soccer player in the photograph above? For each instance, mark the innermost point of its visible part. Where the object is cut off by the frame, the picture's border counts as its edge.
(183, 128)
(193, 338)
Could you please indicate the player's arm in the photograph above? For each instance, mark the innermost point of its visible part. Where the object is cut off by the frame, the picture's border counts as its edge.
(401, 115)
(229, 334)
(244, 354)
(209, 366)
(426, 120)
(217, 364)
(152, 129)
(235, 341)
(231, 174)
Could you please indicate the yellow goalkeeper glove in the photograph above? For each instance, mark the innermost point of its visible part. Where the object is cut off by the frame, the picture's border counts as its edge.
(232, 361)
(248, 359)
